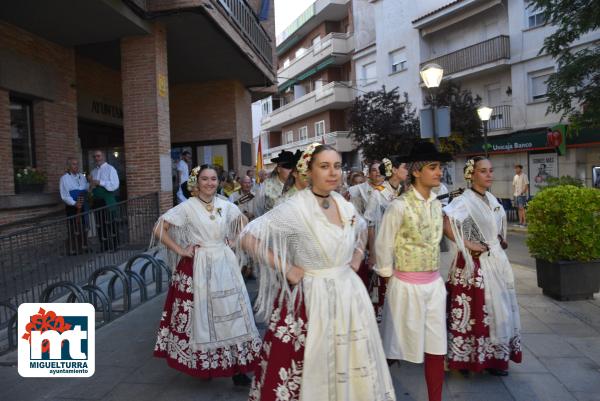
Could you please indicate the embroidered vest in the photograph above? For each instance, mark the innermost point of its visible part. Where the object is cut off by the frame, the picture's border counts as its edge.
(417, 243)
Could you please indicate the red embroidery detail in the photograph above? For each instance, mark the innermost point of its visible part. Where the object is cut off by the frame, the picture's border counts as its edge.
(44, 321)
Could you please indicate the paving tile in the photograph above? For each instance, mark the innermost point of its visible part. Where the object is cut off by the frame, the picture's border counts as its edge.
(531, 324)
(549, 345)
(155, 370)
(502, 395)
(135, 391)
(580, 396)
(536, 387)
(573, 329)
(529, 364)
(475, 383)
(588, 346)
(577, 374)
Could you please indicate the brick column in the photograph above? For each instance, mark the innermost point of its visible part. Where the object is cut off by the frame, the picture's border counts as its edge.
(7, 183)
(146, 115)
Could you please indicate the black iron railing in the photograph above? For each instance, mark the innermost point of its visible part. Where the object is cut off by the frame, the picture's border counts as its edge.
(246, 20)
(70, 249)
(488, 51)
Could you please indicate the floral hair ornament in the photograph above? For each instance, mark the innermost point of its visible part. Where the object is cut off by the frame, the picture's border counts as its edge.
(388, 167)
(193, 179)
(469, 169)
(302, 165)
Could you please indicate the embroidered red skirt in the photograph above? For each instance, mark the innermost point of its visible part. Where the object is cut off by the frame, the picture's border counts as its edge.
(375, 287)
(173, 341)
(469, 343)
(279, 373)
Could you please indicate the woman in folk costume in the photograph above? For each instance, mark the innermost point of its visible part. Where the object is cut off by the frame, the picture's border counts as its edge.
(295, 182)
(408, 248)
(207, 327)
(360, 194)
(483, 314)
(322, 341)
(395, 174)
(272, 189)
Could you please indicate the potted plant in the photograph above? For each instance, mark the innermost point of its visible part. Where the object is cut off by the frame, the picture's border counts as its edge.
(564, 237)
(29, 180)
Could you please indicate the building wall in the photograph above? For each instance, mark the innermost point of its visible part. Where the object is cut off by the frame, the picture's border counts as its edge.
(54, 120)
(334, 121)
(212, 110)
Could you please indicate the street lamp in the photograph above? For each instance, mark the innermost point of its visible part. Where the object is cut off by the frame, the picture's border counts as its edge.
(484, 114)
(432, 75)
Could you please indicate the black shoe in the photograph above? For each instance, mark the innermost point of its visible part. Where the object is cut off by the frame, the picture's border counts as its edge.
(241, 380)
(497, 372)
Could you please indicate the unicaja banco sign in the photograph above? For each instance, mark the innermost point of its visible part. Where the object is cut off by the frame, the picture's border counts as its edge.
(56, 340)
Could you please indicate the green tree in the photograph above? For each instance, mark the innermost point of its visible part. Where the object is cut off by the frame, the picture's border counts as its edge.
(574, 90)
(382, 123)
(465, 125)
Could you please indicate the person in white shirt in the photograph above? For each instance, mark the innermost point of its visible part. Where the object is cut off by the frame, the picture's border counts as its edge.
(73, 191)
(183, 173)
(520, 186)
(104, 182)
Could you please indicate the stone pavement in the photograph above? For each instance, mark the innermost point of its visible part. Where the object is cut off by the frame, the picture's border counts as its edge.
(561, 362)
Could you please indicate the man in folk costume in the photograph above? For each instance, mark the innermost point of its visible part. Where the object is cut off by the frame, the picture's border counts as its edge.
(295, 183)
(408, 248)
(245, 199)
(273, 188)
(73, 191)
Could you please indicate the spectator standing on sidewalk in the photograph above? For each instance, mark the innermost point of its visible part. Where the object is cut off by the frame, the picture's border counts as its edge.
(73, 191)
(104, 183)
(183, 173)
(520, 186)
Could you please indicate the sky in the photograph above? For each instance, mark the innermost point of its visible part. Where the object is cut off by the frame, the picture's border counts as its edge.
(287, 11)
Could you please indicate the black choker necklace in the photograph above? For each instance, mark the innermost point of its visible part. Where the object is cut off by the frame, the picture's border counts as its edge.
(478, 193)
(395, 187)
(325, 204)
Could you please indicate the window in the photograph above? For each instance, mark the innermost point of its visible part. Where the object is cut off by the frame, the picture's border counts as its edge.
(266, 108)
(369, 73)
(320, 128)
(538, 84)
(289, 137)
(300, 52)
(303, 131)
(316, 40)
(535, 17)
(21, 131)
(397, 61)
(318, 84)
(286, 63)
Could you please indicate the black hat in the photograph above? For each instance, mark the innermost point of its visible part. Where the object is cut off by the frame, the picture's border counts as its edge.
(423, 151)
(297, 156)
(285, 159)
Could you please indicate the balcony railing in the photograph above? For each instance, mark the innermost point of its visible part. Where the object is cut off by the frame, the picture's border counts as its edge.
(500, 118)
(491, 50)
(330, 138)
(246, 20)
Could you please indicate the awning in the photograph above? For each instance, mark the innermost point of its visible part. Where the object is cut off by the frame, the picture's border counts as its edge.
(306, 74)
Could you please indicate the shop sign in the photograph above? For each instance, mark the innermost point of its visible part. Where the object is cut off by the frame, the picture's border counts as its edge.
(99, 109)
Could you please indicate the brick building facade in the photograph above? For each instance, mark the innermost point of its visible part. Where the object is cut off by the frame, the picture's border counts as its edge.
(140, 80)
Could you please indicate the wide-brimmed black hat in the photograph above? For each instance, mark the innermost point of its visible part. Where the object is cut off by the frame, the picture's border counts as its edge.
(424, 151)
(285, 159)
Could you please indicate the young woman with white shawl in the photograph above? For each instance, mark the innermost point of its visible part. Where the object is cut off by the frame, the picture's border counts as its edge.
(207, 327)
(395, 174)
(322, 341)
(483, 314)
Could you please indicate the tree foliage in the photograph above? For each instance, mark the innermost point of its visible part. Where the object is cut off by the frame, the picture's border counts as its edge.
(465, 125)
(382, 123)
(574, 90)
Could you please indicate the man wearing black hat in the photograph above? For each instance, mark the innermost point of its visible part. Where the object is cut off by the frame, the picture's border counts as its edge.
(273, 188)
(408, 248)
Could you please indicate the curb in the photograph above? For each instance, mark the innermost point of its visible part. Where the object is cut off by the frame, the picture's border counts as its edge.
(513, 229)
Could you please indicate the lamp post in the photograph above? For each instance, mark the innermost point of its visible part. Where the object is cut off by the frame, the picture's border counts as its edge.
(484, 114)
(432, 75)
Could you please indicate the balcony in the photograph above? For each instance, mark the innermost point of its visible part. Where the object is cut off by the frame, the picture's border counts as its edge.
(340, 140)
(335, 48)
(481, 56)
(500, 119)
(333, 96)
(242, 16)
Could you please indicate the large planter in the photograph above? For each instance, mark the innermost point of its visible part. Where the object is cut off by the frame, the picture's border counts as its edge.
(29, 188)
(568, 280)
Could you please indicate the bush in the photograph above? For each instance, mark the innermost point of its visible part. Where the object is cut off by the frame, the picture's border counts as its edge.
(30, 175)
(564, 224)
(564, 180)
